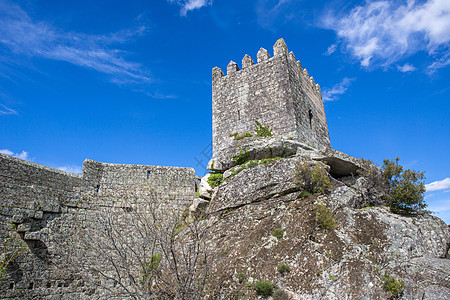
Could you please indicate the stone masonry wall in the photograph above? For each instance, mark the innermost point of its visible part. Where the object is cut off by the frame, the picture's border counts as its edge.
(43, 208)
(276, 91)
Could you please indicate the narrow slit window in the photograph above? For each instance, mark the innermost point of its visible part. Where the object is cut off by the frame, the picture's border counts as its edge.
(97, 188)
(310, 118)
(148, 174)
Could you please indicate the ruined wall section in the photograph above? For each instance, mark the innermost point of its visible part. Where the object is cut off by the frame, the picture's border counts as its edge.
(32, 197)
(276, 91)
(43, 212)
(35, 188)
(115, 181)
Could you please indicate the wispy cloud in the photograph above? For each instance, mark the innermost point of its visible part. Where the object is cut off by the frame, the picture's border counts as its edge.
(438, 185)
(440, 63)
(22, 155)
(25, 36)
(406, 68)
(71, 169)
(188, 5)
(4, 110)
(331, 49)
(379, 33)
(157, 95)
(269, 12)
(337, 89)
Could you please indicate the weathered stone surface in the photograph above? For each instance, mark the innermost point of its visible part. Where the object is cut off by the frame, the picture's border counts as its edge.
(17, 219)
(50, 206)
(257, 148)
(197, 203)
(341, 164)
(347, 262)
(24, 227)
(435, 292)
(32, 236)
(205, 190)
(256, 184)
(39, 214)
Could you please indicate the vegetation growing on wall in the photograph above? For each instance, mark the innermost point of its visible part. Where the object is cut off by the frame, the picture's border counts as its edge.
(392, 284)
(250, 164)
(312, 177)
(324, 217)
(242, 157)
(236, 136)
(278, 233)
(264, 288)
(215, 179)
(262, 131)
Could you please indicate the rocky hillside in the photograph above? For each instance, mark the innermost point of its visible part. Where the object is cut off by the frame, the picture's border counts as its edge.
(339, 243)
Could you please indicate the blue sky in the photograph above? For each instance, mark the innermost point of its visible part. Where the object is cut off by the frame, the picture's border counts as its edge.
(130, 82)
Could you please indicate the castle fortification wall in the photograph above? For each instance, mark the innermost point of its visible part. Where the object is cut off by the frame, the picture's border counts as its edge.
(44, 209)
(276, 91)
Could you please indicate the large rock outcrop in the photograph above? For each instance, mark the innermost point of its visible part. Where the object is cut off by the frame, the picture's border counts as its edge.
(345, 262)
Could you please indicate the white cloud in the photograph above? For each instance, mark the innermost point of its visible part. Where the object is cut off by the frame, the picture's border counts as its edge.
(25, 36)
(438, 185)
(71, 169)
(21, 155)
(337, 89)
(406, 68)
(379, 33)
(440, 63)
(188, 5)
(440, 208)
(6, 110)
(331, 49)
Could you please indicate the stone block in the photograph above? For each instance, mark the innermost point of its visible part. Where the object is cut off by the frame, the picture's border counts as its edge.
(33, 236)
(24, 227)
(38, 214)
(197, 203)
(205, 190)
(17, 219)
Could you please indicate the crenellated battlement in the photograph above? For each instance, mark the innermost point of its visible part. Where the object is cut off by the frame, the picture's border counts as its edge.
(279, 49)
(276, 91)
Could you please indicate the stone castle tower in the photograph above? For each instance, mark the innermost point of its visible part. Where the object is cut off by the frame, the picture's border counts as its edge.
(276, 91)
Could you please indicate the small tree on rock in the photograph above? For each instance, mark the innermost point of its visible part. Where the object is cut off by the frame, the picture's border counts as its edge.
(405, 188)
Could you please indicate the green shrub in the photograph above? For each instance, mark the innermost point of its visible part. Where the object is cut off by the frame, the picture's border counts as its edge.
(279, 294)
(263, 288)
(241, 277)
(392, 284)
(405, 188)
(269, 160)
(150, 268)
(250, 164)
(215, 179)
(305, 194)
(242, 157)
(278, 233)
(236, 171)
(238, 137)
(262, 131)
(324, 217)
(312, 178)
(283, 268)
